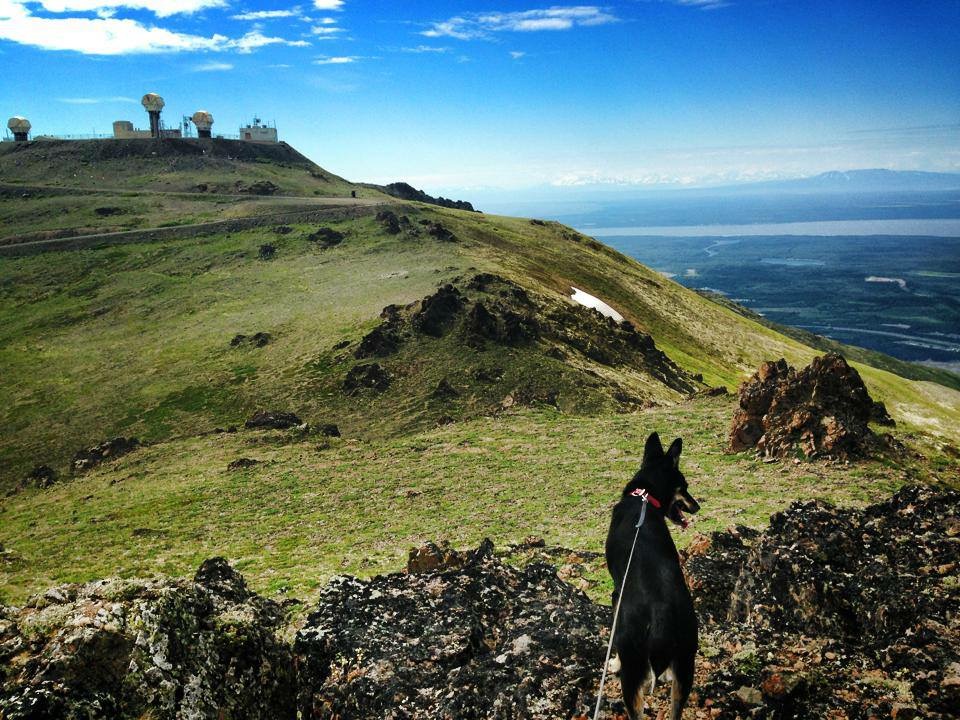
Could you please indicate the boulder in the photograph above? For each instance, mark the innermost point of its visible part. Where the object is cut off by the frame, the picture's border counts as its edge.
(326, 237)
(481, 639)
(389, 221)
(109, 449)
(371, 376)
(41, 477)
(439, 311)
(259, 340)
(164, 649)
(821, 411)
(243, 463)
(272, 420)
(267, 252)
(438, 231)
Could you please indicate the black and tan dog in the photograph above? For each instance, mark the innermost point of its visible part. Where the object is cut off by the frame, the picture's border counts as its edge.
(657, 627)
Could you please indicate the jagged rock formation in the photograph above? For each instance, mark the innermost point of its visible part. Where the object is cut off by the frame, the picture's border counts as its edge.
(822, 410)
(404, 191)
(828, 613)
(487, 311)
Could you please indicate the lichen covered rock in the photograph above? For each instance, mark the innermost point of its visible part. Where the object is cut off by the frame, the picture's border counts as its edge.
(161, 649)
(480, 640)
(822, 410)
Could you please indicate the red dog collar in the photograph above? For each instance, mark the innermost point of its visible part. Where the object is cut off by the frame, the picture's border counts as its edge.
(644, 495)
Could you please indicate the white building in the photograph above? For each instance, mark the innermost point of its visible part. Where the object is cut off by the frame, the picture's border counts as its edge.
(258, 131)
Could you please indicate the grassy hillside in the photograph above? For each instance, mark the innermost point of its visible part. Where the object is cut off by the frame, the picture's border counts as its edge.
(315, 507)
(496, 406)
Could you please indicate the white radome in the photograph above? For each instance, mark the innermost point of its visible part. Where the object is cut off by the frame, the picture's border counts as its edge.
(152, 102)
(18, 124)
(202, 119)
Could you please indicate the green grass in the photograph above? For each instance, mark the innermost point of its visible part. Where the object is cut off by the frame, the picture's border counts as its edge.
(316, 507)
(135, 340)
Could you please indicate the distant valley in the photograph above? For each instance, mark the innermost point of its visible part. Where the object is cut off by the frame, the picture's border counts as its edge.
(874, 268)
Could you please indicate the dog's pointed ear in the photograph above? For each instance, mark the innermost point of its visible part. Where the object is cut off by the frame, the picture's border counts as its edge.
(653, 450)
(674, 452)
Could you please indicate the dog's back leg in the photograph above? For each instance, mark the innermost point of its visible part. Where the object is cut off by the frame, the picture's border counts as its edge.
(635, 680)
(682, 684)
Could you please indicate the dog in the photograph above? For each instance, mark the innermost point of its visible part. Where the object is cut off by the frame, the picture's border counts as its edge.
(657, 626)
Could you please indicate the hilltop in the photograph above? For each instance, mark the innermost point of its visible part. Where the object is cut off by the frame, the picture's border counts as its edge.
(426, 357)
(173, 165)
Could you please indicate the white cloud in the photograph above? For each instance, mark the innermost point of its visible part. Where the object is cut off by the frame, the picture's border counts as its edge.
(267, 14)
(517, 54)
(481, 25)
(213, 66)
(256, 39)
(101, 36)
(119, 36)
(160, 8)
(425, 49)
(328, 4)
(702, 4)
(326, 31)
(337, 60)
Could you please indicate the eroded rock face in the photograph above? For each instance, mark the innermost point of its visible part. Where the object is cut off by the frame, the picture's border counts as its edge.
(822, 410)
(160, 649)
(481, 640)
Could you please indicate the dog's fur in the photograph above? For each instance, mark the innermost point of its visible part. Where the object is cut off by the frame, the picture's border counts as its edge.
(657, 628)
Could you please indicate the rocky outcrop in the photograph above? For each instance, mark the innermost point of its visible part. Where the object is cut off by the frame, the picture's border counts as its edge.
(489, 312)
(41, 477)
(438, 312)
(828, 613)
(369, 376)
(404, 191)
(822, 410)
(107, 450)
(326, 237)
(258, 340)
(389, 221)
(272, 420)
(834, 612)
(480, 640)
(163, 649)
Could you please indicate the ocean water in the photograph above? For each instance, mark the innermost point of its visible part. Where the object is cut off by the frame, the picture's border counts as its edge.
(878, 270)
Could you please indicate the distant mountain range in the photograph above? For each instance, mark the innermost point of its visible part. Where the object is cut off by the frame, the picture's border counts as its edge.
(859, 181)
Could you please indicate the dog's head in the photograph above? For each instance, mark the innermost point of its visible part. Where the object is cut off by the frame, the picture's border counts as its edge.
(660, 475)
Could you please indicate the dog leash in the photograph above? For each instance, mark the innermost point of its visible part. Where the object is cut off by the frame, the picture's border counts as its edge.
(623, 584)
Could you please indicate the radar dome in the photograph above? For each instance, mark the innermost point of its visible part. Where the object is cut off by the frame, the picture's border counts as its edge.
(152, 102)
(202, 119)
(18, 124)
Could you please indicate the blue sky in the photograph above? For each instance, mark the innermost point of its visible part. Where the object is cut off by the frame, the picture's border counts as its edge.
(454, 96)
